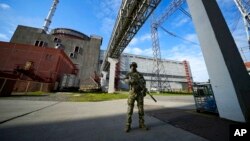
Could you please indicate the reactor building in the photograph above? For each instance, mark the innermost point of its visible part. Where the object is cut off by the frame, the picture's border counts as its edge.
(83, 50)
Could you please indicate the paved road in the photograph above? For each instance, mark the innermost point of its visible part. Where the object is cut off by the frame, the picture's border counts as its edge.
(47, 120)
(182, 102)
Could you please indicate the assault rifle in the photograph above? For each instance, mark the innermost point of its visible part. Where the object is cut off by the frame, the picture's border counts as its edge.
(145, 91)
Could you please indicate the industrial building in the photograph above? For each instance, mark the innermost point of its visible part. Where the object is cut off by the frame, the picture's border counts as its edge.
(46, 64)
(82, 50)
(178, 73)
(29, 68)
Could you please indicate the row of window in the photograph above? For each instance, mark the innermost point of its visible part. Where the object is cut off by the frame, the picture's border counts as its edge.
(75, 52)
(72, 55)
(40, 43)
(144, 58)
(151, 74)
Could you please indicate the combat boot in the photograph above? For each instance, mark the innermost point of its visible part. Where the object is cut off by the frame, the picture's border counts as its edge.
(127, 128)
(143, 126)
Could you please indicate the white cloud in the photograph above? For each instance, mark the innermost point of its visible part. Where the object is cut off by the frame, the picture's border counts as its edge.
(182, 21)
(134, 41)
(133, 48)
(192, 37)
(107, 11)
(139, 51)
(4, 6)
(29, 21)
(3, 37)
(10, 22)
(11, 32)
(192, 54)
(145, 37)
(225, 4)
(107, 25)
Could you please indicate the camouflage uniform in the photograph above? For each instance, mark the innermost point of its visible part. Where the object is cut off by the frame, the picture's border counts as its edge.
(136, 86)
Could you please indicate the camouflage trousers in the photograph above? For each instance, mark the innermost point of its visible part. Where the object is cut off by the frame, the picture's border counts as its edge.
(131, 100)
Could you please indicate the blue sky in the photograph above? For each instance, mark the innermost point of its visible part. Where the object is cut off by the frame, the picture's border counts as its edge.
(98, 17)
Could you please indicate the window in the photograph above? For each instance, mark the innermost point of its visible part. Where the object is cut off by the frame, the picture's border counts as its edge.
(77, 49)
(45, 44)
(58, 45)
(41, 43)
(56, 39)
(72, 55)
(36, 43)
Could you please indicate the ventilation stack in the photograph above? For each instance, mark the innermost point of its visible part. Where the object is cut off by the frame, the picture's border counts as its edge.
(48, 21)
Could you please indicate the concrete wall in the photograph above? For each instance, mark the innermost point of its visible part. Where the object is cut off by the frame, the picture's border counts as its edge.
(86, 60)
(175, 70)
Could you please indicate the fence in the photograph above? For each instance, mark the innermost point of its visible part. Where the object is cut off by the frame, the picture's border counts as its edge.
(8, 85)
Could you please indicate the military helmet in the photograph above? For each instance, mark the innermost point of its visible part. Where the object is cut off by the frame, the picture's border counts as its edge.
(133, 64)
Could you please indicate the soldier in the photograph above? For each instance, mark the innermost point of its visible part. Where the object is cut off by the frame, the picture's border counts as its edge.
(136, 86)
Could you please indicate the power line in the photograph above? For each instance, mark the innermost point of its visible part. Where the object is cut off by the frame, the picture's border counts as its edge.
(236, 24)
(245, 47)
(177, 36)
(185, 12)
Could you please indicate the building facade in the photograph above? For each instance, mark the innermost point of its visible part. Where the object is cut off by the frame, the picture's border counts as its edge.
(82, 50)
(26, 68)
(45, 64)
(178, 73)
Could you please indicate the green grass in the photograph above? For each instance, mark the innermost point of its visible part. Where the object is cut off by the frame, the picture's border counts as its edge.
(36, 93)
(162, 93)
(95, 97)
(172, 94)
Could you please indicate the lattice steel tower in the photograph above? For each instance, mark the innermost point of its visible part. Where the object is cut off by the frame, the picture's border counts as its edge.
(244, 8)
(160, 78)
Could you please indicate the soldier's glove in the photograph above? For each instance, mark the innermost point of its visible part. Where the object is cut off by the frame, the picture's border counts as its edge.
(144, 91)
(127, 81)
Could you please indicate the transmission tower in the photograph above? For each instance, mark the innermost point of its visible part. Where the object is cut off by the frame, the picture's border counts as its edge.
(160, 79)
(243, 6)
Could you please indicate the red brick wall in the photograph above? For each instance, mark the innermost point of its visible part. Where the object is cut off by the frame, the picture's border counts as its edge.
(49, 63)
(32, 86)
(247, 64)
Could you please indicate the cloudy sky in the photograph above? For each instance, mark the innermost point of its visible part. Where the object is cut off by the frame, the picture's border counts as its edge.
(98, 17)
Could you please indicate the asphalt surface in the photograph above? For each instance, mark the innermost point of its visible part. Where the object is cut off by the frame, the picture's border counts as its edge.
(26, 120)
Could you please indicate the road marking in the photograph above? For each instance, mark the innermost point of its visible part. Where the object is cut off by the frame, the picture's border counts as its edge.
(1, 122)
